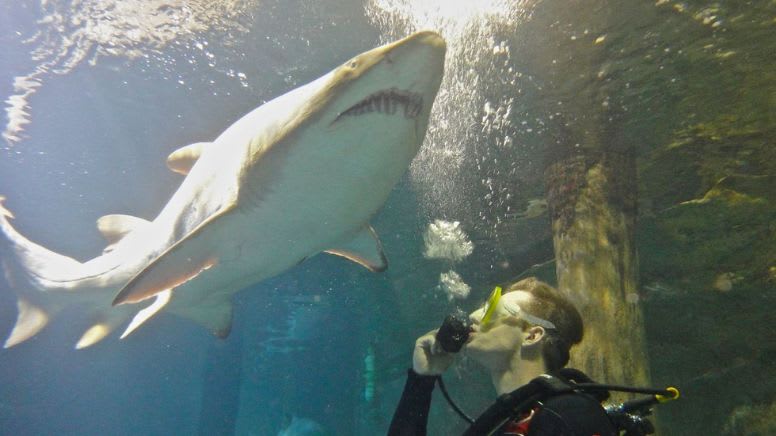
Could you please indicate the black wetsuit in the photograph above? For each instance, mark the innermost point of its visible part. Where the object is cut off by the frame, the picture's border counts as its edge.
(575, 414)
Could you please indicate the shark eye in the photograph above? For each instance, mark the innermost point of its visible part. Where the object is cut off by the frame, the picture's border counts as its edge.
(352, 64)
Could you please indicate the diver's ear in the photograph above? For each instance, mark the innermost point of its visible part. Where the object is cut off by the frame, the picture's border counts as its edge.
(533, 335)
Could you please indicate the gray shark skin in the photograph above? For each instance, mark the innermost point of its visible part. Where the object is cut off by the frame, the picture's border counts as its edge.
(299, 175)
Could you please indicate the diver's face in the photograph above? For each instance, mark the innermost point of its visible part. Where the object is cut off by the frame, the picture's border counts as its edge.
(502, 336)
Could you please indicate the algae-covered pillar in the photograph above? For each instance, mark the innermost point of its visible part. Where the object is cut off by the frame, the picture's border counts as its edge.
(586, 63)
(592, 201)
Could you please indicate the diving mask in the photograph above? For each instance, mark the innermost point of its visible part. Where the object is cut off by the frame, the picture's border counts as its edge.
(508, 305)
(490, 306)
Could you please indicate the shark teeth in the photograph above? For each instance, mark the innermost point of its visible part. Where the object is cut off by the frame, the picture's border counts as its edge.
(387, 102)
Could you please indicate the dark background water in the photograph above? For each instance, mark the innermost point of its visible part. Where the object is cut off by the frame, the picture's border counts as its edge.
(692, 84)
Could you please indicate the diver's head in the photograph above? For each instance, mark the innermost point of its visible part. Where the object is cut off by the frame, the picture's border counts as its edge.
(531, 318)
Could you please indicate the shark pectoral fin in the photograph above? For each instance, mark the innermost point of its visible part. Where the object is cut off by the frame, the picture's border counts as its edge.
(365, 249)
(29, 321)
(144, 315)
(216, 315)
(180, 263)
(161, 275)
(114, 227)
(182, 159)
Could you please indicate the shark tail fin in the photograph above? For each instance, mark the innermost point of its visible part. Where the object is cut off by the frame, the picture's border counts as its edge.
(32, 272)
(31, 319)
(39, 266)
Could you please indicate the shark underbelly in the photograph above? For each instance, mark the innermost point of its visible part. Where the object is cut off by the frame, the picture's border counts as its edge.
(281, 231)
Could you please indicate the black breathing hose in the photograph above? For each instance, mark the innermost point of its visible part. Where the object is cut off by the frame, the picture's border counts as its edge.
(455, 407)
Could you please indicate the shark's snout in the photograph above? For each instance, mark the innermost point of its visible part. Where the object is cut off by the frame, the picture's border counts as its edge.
(407, 74)
(423, 49)
(429, 38)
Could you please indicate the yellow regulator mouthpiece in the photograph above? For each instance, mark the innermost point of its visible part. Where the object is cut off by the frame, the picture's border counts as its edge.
(491, 306)
(666, 398)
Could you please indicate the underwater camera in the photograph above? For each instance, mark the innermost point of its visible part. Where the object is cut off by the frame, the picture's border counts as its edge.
(454, 331)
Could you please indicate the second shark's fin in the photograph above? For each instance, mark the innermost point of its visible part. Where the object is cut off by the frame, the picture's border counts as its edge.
(29, 321)
(114, 227)
(365, 249)
(182, 159)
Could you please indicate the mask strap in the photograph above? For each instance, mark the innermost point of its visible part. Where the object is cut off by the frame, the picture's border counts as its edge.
(518, 311)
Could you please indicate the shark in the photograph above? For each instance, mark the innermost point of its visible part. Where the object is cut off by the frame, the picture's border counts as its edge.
(301, 174)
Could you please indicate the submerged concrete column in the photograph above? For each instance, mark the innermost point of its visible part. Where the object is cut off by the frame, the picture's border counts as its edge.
(591, 197)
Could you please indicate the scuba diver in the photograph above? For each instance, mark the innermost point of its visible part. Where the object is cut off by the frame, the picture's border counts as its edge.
(522, 338)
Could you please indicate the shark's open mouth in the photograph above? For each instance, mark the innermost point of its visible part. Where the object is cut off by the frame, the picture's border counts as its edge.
(387, 102)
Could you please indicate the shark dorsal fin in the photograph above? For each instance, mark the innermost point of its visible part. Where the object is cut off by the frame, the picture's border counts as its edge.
(365, 249)
(182, 159)
(116, 226)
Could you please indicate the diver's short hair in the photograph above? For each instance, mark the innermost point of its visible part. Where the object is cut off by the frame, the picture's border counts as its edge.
(550, 304)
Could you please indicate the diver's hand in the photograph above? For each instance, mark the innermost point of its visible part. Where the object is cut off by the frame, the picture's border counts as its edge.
(429, 358)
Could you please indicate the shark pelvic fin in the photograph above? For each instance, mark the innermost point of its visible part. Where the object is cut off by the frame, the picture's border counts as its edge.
(216, 315)
(365, 249)
(144, 315)
(29, 321)
(94, 334)
(182, 159)
(105, 323)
